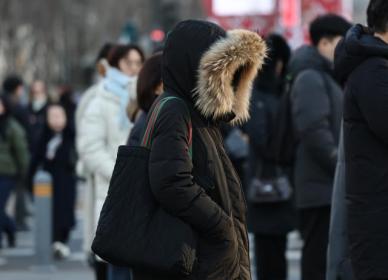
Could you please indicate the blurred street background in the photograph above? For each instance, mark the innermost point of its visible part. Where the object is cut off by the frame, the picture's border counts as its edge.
(57, 40)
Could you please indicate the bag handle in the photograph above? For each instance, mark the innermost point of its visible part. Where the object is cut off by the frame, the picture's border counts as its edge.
(147, 138)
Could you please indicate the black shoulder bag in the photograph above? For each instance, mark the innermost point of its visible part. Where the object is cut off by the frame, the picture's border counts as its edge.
(133, 230)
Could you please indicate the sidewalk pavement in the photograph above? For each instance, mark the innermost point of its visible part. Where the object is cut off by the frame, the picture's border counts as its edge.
(20, 264)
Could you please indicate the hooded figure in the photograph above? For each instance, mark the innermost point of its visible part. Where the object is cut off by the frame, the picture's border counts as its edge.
(362, 63)
(211, 71)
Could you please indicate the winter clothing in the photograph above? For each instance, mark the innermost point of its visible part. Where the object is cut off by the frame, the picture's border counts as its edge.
(205, 191)
(314, 227)
(13, 149)
(271, 263)
(317, 111)
(99, 134)
(20, 113)
(338, 261)
(36, 123)
(362, 63)
(316, 101)
(269, 222)
(7, 224)
(275, 218)
(119, 273)
(13, 163)
(56, 154)
(88, 213)
(137, 131)
(117, 83)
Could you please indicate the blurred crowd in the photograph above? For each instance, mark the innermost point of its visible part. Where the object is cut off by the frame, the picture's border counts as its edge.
(286, 155)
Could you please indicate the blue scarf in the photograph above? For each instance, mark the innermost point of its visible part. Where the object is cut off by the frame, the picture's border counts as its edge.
(116, 82)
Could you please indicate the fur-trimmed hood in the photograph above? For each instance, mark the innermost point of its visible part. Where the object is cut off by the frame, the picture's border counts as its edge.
(214, 68)
(226, 73)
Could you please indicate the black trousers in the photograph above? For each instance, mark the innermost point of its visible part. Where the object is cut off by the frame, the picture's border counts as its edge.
(61, 235)
(270, 257)
(314, 228)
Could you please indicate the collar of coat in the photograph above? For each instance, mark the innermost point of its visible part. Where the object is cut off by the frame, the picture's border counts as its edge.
(242, 52)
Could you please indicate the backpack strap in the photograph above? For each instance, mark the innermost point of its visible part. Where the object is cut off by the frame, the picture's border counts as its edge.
(147, 138)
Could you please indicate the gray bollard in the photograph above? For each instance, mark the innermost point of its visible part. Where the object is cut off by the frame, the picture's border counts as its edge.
(43, 190)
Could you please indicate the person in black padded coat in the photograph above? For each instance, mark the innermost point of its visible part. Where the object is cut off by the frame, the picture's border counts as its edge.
(362, 63)
(56, 154)
(211, 71)
(270, 222)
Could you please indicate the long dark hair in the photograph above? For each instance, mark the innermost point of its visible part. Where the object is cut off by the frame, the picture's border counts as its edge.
(149, 79)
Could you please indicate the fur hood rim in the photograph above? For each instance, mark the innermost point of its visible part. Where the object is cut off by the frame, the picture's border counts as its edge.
(240, 53)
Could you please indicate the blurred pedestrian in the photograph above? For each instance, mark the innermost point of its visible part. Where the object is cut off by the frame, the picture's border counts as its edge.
(37, 109)
(149, 87)
(101, 66)
(13, 165)
(208, 73)
(89, 193)
(362, 63)
(13, 88)
(270, 222)
(105, 126)
(66, 100)
(317, 112)
(56, 154)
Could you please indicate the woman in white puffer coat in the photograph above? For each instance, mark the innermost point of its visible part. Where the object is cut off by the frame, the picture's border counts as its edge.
(105, 126)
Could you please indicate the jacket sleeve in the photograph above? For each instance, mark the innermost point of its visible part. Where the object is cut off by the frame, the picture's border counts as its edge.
(91, 141)
(311, 112)
(170, 171)
(373, 100)
(20, 147)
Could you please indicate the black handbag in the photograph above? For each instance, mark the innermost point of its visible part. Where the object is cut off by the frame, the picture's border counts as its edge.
(269, 191)
(133, 230)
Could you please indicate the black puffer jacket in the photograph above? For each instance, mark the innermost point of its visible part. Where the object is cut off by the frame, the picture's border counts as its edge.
(362, 62)
(317, 112)
(272, 218)
(199, 64)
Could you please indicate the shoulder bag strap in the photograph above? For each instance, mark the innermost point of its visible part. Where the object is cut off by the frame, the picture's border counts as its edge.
(147, 138)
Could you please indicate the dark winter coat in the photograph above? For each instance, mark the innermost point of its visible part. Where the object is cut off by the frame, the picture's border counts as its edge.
(62, 169)
(20, 113)
(36, 124)
(274, 218)
(362, 63)
(317, 112)
(338, 260)
(199, 63)
(14, 155)
(138, 130)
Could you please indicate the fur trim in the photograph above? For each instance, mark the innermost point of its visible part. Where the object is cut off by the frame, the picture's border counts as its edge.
(241, 50)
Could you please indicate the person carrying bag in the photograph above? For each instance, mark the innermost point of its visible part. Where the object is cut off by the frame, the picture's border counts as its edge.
(188, 209)
(142, 237)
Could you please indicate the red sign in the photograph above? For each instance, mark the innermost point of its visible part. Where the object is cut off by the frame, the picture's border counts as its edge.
(290, 17)
(260, 23)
